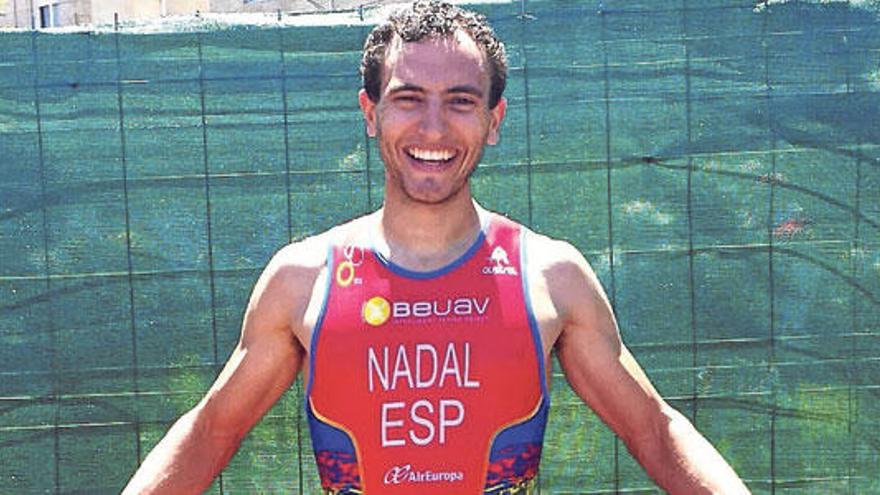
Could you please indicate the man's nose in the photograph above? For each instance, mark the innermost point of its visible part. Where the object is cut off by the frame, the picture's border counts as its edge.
(433, 124)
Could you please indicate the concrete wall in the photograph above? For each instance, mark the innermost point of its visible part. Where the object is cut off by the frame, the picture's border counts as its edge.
(248, 5)
(20, 13)
(102, 11)
(186, 7)
(67, 11)
(17, 13)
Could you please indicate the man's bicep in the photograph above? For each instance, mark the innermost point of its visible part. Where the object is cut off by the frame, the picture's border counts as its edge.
(263, 364)
(598, 366)
(606, 376)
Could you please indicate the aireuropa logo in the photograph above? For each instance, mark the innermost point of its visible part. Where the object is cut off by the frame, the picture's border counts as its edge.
(500, 263)
(399, 475)
(376, 311)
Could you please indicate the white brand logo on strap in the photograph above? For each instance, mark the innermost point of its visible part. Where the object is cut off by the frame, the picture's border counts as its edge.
(500, 263)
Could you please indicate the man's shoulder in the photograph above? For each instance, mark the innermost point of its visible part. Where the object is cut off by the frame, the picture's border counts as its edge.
(544, 251)
(306, 256)
(540, 248)
(562, 274)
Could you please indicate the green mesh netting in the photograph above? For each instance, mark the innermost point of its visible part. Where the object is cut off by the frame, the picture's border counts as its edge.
(717, 162)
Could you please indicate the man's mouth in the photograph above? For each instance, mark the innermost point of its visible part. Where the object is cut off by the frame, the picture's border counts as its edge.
(433, 157)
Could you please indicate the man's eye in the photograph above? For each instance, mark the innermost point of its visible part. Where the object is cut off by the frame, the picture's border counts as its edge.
(406, 99)
(463, 103)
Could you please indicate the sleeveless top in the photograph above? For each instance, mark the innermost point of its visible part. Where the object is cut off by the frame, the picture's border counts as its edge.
(428, 382)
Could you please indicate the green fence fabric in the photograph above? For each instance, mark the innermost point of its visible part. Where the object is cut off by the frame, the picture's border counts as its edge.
(718, 162)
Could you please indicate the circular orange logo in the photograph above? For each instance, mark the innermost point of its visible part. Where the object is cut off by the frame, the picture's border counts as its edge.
(377, 311)
(345, 273)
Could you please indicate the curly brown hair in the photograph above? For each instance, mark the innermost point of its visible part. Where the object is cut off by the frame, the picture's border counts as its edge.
(429, 19)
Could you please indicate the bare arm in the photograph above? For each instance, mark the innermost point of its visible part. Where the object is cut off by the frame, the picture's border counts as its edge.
(607, 378)
(261, 368)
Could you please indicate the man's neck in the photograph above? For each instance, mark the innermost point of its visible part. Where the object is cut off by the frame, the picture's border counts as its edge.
(426, 237)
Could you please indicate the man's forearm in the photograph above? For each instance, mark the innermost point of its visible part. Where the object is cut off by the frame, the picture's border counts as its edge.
(682, 461)
(185, 461)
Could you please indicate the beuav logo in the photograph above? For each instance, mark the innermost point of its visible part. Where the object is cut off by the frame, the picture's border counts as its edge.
(500, 263)
(405, 474)
(377, 311)
(345, 272)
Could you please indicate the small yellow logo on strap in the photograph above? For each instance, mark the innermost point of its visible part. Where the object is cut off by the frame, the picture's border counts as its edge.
(345, 273)
(377, 311)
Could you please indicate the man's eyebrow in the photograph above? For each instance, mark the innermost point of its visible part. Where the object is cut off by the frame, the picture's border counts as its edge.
(466, 88)
(405, 87)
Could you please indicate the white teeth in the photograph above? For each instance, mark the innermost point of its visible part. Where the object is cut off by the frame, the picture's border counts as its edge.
(431, 155)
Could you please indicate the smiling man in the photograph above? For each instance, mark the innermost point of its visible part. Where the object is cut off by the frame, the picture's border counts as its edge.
(424, 329)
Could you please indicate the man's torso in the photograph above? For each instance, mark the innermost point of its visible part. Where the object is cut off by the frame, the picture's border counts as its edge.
(407, 417)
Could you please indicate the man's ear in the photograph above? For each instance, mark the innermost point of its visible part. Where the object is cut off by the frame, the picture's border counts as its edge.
(496, 115)
(368, 107)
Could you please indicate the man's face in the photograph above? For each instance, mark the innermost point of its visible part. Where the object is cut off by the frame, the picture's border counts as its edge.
(432, 119)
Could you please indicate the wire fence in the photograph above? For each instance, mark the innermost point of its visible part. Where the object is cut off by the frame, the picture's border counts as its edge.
(718, 162)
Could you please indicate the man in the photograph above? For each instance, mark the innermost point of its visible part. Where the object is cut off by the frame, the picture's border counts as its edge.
(424, 329)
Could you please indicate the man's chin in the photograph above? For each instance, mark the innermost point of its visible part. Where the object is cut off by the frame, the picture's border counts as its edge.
(430, 196)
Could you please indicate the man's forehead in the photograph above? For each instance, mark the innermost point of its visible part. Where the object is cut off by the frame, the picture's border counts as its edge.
(460, 42)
